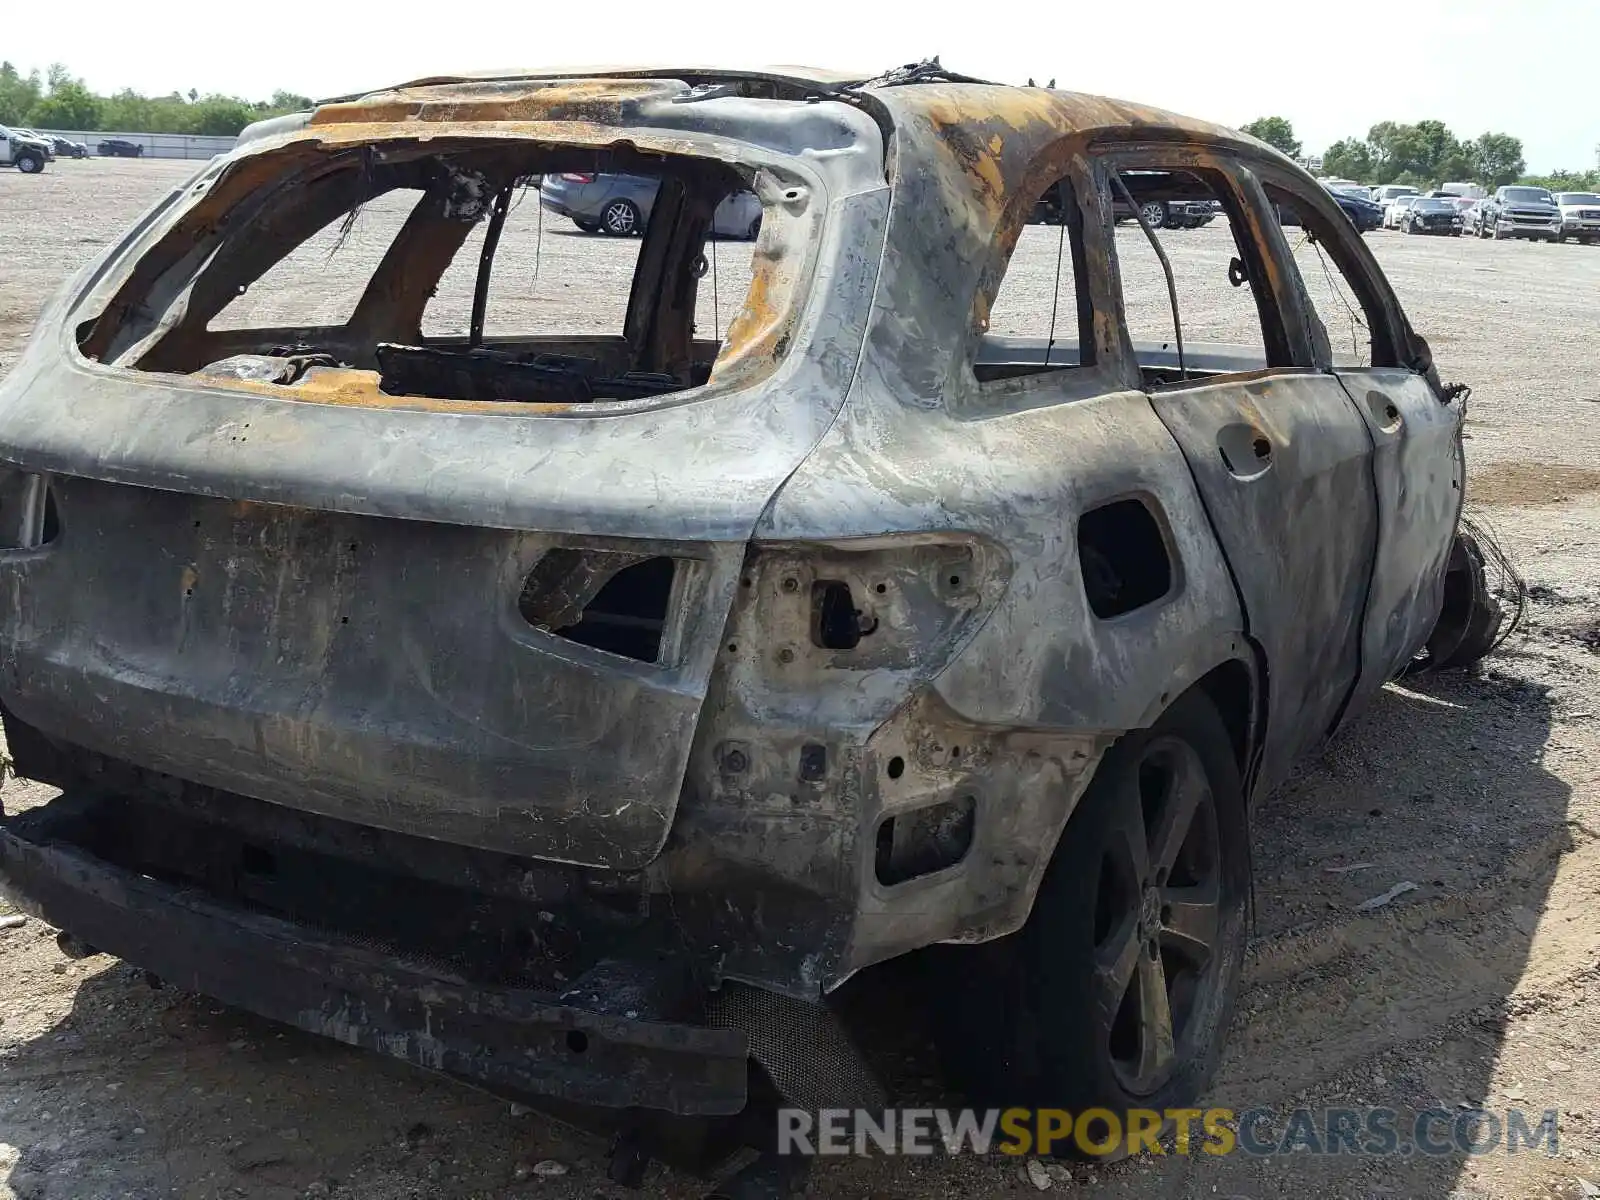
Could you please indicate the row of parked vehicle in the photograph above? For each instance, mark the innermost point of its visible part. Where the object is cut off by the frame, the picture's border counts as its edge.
(1513, 211)
(619, 205)
(28, 150)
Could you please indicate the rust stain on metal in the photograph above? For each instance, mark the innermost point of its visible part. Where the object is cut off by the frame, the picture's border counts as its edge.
(360, 389)
(757, 329)
(599, 100)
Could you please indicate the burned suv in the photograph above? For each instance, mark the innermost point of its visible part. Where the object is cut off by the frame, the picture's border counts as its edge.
(576, 711)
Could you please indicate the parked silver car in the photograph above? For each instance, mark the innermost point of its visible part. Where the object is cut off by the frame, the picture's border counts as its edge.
(620, 205)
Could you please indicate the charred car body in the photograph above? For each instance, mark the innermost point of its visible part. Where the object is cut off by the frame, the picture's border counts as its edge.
(572, 713)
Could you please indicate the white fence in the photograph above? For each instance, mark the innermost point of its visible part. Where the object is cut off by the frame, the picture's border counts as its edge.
(156, 145)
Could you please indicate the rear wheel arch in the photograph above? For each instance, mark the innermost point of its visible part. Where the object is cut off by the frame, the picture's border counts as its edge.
(1233, 687)
(1234, 678)
(1001, 1000)
(1236, 688)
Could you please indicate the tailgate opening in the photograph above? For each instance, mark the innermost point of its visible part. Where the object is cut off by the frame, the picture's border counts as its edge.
(467, 271)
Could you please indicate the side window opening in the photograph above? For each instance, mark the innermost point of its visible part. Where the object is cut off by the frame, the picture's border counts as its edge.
(1227, 316)
(1341, 320)
(1039, 319)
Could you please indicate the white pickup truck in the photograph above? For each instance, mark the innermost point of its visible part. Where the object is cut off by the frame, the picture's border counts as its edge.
(1580, 216)
(27, 154)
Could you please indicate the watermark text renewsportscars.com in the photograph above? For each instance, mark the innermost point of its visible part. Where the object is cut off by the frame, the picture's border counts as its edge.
(1259, 1132)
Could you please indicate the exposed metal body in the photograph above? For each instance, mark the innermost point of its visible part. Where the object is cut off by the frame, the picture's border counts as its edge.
(306, 592)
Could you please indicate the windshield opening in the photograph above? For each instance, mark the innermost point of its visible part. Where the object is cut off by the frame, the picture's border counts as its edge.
(1527, 195)
(477, 271)
(1577, 198)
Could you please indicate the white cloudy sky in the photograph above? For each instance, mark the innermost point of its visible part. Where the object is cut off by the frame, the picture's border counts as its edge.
(1524, 67)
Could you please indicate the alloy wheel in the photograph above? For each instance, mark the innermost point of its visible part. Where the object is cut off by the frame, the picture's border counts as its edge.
(620, 218)
(1158, 917)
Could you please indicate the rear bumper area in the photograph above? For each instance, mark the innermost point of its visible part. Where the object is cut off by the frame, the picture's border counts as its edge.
(465, 684)
(584, 1043)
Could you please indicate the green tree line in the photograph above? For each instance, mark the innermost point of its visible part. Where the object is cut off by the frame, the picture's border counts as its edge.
(61, 101)
(1423, 155)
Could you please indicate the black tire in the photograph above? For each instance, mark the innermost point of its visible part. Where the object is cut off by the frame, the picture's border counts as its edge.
(1041, 1018)
(1469, 617)
(1155, 213)
(29, 162)
(620, 218)
(754, 231)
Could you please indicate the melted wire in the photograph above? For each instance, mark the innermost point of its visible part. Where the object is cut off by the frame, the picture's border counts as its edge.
(716, 288)
(1061, 245)
(1166, 269)
(1503, 579)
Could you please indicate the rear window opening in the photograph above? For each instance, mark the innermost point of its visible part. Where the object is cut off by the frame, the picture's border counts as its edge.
(503, 272)
(320, 281)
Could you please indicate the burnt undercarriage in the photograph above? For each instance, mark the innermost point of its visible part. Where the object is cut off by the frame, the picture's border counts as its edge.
(560, 985)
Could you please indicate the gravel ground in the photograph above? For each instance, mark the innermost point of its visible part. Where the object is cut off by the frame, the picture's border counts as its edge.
(1480, 986)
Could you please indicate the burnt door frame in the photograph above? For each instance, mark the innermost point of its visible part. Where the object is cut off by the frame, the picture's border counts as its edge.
(1283, 461)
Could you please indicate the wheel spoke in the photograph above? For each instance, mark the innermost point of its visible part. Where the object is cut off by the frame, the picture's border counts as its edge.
(1135, 847)
(1117, 957)
(1135, 840)
(1190, 917)
(1186, 788)
(1156, 1050)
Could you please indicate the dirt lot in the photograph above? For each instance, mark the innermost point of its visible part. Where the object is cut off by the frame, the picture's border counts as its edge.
(1481, 986)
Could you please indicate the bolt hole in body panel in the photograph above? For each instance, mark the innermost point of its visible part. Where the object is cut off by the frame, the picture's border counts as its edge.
(1385, 414)
(836, 622)
(254, 860)
(1245, 451)
(1123, 557)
